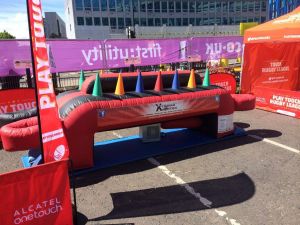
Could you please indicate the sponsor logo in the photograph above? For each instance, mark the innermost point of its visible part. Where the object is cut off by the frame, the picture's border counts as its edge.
(218, 48)
(101, 114)
(292, 36)
(59, 152)
(37, 211)
(16, 107)
(259, 38)
(261, 99)
(111, 52)
(161, 107)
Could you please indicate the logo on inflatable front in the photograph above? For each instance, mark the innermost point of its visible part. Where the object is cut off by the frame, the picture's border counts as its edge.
(59, 152)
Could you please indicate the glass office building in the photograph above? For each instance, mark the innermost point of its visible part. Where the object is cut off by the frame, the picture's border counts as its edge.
(119, 14)
(281, 7)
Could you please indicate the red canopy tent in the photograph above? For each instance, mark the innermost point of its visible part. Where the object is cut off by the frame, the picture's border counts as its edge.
(271, 68)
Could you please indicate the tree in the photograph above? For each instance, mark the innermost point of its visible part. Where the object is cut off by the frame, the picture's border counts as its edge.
(6, 35)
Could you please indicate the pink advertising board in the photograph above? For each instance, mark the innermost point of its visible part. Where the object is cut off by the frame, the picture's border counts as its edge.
(74, 55)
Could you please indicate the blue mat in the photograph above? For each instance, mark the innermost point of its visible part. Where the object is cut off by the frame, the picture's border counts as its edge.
(123, 150)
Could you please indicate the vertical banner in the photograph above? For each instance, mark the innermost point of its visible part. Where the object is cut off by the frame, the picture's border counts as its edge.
(38, 195)
(54, 143)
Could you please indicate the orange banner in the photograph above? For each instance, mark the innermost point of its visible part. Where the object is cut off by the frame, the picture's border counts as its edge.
(54, 142)
(35, 196)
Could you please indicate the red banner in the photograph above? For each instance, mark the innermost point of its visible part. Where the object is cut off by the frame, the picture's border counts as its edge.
(13, 100)
(53, 137)
(224, 80)
(35, 196)
(276, 100)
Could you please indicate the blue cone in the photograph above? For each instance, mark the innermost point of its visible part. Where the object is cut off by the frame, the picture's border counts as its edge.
(139, 88)
(175, 83)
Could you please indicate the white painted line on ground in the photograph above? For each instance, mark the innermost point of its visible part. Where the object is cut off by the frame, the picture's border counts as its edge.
(275, 143)
(188, 188)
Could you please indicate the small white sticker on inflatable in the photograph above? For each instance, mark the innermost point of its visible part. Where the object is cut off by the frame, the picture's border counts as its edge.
(225, 123)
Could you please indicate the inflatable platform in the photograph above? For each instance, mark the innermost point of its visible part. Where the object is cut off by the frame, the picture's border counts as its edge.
(174, 101)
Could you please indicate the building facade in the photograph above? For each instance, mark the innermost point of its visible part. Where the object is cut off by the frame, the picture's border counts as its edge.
(281, 7)
(55, 27)
(92, 16)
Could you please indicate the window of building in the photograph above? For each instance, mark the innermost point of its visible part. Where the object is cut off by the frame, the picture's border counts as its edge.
(250, 19)
(205, 6)
(237, 20)
(231, 21)
(105, 21)
(256, 19)
(185, 21)
(120, 23)
(164, 6)
(112, 6)
(218, 7)
(157, 22)
(212, 6)
(89, 21)
(198, 6)
(135, 5)
(165, 21)
(244, 19)
(178, 6)
(198, 21)
(150, 22)
(113, 22)
(185, 6)
(251, 6)
(143, 6)
(79, 5)
(97, 21)
(225, 21)
(150, 6)
(143, 22)
(120, 5)
(96, 6)
(238, 6)
(157, 6)
(178, 22)
(225, 6)
(192, 6)
(103, 5)
(87, 5)
(263, 6)
(262, 19)
(80, 21)
(192, 21)
(171, 6)
(136, 21)
(245, 6)
(218, 21)
(127, 5)
(231, 6)
(171, 21)
(257, 6)
(205, 21)
(211, 21)
(128, 22)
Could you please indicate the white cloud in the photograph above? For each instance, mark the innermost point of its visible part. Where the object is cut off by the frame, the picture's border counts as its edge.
(15, 24)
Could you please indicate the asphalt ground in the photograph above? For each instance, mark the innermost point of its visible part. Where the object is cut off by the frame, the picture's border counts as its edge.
(249, 180)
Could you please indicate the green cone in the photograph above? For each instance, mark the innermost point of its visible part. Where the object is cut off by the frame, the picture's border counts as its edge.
(81, 79)
(206, 81)
(97, 90)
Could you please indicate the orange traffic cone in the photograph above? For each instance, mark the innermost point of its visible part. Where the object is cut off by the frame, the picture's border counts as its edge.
(120, 86)
(159, 84)
(192, 80)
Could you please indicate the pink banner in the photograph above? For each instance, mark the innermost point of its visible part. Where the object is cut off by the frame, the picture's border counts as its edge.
(74, 55)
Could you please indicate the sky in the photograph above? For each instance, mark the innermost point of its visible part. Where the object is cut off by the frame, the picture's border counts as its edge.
(13, 15)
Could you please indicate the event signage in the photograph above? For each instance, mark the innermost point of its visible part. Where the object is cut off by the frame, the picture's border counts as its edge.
(277, 100)
(38, 195)
(13, 100)
(53, 138)
(224, 80)
(74, 55)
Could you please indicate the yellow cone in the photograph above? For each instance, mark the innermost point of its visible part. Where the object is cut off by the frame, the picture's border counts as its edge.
(192, 80)
(120, 86)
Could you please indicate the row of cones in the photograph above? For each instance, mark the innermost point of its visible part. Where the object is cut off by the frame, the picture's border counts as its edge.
(97, 90)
